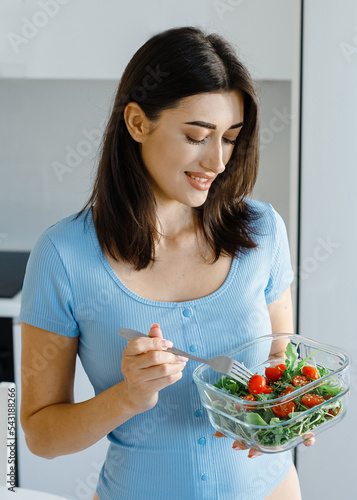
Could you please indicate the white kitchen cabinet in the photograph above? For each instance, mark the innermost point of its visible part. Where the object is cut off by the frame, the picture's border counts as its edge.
(87, 39)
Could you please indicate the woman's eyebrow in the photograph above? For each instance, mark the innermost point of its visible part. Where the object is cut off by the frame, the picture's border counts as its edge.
(211, 125)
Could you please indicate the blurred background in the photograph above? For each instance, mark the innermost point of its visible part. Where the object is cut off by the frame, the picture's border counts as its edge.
(60, 63)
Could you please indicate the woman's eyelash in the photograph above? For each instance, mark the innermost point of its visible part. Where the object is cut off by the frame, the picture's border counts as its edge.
(193, 141)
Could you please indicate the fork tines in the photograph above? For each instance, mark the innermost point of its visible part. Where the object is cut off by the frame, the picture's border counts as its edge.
(241, 373)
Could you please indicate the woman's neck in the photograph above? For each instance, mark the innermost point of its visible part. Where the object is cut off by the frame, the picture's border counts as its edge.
(175, 222)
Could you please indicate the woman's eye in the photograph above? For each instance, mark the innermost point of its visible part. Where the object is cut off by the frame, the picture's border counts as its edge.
(194, 141)
(228, 141)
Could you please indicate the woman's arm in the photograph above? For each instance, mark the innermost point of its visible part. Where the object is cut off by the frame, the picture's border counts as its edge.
(53, 424)
(281, 318)
(281, 313)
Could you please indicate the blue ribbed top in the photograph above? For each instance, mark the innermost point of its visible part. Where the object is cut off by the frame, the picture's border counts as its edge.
(167, 452)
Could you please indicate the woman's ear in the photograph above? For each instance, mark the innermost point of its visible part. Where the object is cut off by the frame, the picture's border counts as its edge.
(136, 121)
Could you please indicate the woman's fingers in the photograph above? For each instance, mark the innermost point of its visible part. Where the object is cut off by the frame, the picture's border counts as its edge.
(150, 352)
(141, 345)
(219, 435)
(155, 331)
(155, 358)
(240, 446)
(254, 453)
(146, 360)
(309, 439)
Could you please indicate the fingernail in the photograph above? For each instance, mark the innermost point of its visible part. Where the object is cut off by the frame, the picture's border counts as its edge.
(252, 456)
(219, 435)
(167, 343)
(154, 325)
(237, 447)
(182, 358)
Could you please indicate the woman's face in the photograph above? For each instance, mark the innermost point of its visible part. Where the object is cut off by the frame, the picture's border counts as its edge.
(190, 145)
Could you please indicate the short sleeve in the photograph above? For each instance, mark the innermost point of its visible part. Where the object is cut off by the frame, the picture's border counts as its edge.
(47, 299)
(281, 273)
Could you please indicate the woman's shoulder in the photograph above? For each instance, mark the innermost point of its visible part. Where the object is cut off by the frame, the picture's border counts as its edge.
(264, 216)
(68, 236)
(70, 228)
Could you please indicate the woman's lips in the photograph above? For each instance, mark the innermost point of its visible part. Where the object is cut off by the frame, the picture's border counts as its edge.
(203, 185)
(201, 175)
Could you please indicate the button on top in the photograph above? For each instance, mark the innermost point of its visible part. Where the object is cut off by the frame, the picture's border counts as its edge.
(202, 441)
(198, 413)
(204, 477)
(187, 313)
(193, 348)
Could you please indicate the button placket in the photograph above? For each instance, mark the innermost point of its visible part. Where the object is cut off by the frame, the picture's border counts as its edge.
(201, 440)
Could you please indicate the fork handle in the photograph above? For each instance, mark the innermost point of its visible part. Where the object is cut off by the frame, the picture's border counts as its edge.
(129, 334)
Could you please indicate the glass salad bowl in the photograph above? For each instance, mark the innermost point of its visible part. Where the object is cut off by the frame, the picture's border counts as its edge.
(308, 393)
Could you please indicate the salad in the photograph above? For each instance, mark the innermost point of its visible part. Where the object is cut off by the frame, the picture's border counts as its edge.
(280, 381)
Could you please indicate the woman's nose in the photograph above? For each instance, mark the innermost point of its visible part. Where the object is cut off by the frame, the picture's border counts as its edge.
(214, 159)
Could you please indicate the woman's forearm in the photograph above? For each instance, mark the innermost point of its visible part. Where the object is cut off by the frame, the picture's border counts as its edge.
(65, 428)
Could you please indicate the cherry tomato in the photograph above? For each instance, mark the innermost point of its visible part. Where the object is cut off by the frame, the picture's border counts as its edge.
(284, 409)
(256, 384)
(334, 411)
(250, 397)
(274, 373)
(311, 400)
(310, 372)
(268, 389)
(300, 380)
(326, 398)
(287, 391)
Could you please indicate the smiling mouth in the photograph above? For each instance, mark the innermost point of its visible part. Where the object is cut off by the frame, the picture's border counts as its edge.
(199, 179)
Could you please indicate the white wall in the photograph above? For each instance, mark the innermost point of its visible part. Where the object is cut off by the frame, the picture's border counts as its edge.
(96, 38)
(51, 131)
(329, 209)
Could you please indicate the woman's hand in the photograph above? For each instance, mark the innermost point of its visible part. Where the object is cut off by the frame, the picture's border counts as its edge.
(148, 367)
(239, 446)
(309, 440)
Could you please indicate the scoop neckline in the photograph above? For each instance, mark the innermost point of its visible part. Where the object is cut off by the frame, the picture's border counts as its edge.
(151, 302)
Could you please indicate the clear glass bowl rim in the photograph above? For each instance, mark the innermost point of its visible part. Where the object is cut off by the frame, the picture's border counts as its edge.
(307, 388)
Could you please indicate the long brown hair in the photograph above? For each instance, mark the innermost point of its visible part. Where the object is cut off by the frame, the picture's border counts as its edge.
(174, 64)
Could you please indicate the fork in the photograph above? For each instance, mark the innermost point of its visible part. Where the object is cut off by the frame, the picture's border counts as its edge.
(222, 364)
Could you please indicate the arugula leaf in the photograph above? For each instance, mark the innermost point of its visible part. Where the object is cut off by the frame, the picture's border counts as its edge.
(303, 361)
(255, 419)
(322, 370)
(291, 356)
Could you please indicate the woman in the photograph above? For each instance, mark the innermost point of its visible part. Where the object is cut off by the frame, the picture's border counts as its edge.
(167, 239)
